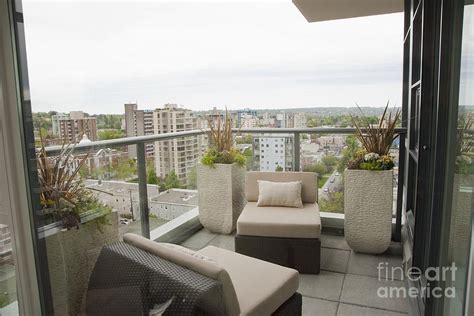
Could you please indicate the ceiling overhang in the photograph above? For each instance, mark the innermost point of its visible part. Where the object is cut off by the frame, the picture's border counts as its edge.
(326, 10)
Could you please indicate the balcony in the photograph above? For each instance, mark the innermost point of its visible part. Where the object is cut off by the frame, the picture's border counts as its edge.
(348, 281)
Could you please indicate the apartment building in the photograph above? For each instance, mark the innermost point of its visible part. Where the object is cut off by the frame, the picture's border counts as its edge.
(139, 123)
(296, 120)
(280, 120)
(180, 154)
(273, 153)
(241, 114)
(55, 122)
(248, 121)
(73, 127)
(267, 120)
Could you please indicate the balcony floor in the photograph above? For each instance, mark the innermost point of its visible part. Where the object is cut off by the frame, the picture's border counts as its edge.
(347, 284)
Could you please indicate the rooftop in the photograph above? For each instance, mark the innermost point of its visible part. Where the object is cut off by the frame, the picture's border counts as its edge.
(178, 196)
(120, 188)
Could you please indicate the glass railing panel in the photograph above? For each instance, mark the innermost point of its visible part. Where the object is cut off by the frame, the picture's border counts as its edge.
(112, 175)
(329, 156)
(326, 154)
(172, 190)
(8, 291)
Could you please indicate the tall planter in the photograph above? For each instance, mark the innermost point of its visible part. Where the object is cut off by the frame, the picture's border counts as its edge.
(221, 196)
(72, 255)
(368, 203)
(460, 225)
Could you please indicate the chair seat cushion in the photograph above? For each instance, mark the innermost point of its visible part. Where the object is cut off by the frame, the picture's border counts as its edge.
(279, 221)
(261, 287)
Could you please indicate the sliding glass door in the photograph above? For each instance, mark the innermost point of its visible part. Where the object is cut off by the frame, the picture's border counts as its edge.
(462, 184)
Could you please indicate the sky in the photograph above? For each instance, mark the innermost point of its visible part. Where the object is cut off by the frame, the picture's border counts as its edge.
(96, 56)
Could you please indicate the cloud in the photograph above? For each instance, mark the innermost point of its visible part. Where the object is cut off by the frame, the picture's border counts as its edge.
(96, 56)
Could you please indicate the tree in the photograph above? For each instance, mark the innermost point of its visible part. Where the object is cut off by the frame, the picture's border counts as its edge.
(319, 168)
(248, 153)
(279, 168)
(171, 181)
(109, 121)
(44, 133)
(334, 203)
(329, 160)
(352, 146)
(110, 134)
(151, 177)
(247, 139)
(126, 169)
(192, 179)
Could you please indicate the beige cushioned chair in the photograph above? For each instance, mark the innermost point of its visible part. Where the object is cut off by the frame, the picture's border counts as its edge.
(284, 235)
(250, 286)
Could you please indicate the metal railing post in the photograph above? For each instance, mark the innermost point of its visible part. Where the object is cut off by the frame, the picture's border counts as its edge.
(297, 151)
(142, 190)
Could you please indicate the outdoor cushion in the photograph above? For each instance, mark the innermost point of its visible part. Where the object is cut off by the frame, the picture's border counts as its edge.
(261, 286)
(278, 221)
(309, 192)
(279, 193)
(192, 260)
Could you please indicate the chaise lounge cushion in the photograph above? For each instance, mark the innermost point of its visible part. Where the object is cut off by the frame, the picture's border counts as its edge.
(285, 222)
(192, 260)
(261, 286)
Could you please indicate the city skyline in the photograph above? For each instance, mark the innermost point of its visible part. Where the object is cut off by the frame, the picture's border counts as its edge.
(205, 54)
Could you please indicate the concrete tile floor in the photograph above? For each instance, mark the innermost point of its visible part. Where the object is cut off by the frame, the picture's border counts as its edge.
(348, 282)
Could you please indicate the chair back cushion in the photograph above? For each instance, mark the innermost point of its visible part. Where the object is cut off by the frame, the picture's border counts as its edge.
(193, 261)
(279, 194)
(309, 192)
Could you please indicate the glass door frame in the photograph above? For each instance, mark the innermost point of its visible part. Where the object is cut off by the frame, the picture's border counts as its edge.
(439, 43)
(13, 134)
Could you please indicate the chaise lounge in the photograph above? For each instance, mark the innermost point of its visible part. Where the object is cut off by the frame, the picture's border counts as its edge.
(288, 236)
(140, 277)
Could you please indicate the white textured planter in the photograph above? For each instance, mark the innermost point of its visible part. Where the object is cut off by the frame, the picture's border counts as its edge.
(72, 255)
(221, 196)
(368, 203)
(460, 226)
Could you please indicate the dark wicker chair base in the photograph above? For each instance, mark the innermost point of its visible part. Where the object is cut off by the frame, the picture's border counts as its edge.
(302, 254)
(292, 307)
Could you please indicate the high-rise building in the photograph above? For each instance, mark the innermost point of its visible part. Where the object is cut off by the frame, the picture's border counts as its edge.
(73, 128)
(272, 152)
(267, 120)
(248, 121)
(55, 122)
(280, 120)
(242, 113)
(296, 120)
(139, 123)
(180, 154)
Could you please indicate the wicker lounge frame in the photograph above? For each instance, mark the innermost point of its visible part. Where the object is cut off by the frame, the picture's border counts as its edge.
(127, 280)
(294, 251)
(302, 254)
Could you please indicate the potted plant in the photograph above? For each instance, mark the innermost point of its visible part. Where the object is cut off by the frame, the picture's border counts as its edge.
(368, 186)
(221, 179)
(75, 227)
